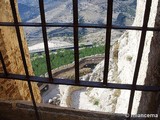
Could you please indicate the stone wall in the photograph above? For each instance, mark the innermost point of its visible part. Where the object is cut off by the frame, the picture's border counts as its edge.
(9, 47)
(150, 101)
(17, 110)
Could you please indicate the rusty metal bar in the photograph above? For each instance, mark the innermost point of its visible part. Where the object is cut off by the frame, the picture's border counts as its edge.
(82, 83)
(108, 40)
(76, 46)
(44, 31)
(83, 25)
(140, 53)
(14, 12)
(12, 3)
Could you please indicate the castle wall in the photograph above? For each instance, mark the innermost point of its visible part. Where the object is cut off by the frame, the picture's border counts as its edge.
(9, 47)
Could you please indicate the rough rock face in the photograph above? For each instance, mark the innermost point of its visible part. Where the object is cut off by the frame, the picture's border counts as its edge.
(122, 69)
(150, 101)
(14, 89)
(128, 49)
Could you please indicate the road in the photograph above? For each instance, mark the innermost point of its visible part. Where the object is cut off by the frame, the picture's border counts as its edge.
(40, 51)
(52, 91)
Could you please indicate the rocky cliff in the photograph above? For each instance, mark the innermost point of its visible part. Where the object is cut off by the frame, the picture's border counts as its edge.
(123, 60)
(150, 101)
(121, 69)
(14, 89)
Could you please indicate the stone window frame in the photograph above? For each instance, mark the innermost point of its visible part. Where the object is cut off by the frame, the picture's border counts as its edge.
(75, 25)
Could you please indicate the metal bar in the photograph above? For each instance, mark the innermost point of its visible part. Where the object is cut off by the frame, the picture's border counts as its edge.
(75, 24)
(140, 53)
(3, 64)
(19, 36)
(23, 55)
(82, 83)
(83, 25)
(108, 40)
(33, 99)
(44, 31)
(76, 46)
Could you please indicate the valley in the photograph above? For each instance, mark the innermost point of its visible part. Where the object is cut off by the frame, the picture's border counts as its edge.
(62, 60)
(90, 11)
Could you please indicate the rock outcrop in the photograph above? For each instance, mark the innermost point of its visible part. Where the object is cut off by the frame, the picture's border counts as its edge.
(124, 66)
(121, 69)
(127, 56)
(9, 47)
(150, 101)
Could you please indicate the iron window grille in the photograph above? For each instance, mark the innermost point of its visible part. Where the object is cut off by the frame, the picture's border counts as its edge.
(75, 25)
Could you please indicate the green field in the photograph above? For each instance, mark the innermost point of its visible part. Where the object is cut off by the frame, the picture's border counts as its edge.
(62, 57)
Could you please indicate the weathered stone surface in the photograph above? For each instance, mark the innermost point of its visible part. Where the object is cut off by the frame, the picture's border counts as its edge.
(22, 109)
(124, 67)
(150, 101)
(9, 47)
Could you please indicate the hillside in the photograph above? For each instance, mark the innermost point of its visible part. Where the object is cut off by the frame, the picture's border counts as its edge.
(123, 64)
(90, 11)
(27, 12)
(121, 69)
(93, 11)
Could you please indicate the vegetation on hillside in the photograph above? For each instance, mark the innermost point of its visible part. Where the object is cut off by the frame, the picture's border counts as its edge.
(62, 57)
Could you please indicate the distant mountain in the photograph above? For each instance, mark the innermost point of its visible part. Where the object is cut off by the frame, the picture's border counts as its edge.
(89, 10)
(61, 11)
(29, 9)
(27, 12)
(29, 2)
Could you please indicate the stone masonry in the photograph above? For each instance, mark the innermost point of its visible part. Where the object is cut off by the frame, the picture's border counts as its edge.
(9, 47)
